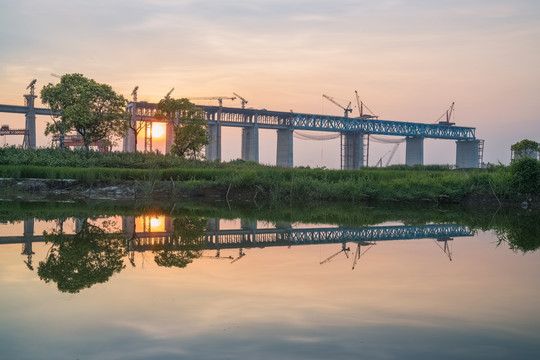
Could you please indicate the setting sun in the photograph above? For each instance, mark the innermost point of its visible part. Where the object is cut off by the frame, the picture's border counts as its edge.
(158, 130)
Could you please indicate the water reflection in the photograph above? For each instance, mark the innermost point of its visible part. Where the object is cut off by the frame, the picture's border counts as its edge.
(88, 257)
(94, 252)
(425, 285)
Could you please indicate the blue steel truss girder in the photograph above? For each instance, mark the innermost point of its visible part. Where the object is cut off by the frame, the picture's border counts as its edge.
(299, 121)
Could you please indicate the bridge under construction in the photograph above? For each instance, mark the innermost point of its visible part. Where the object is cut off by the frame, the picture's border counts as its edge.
(353, 132)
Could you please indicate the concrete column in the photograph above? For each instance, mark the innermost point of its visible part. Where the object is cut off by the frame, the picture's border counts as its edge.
(212, 147)
(467, 154)
(250, 143)
(284, 156)
(31, 121)
(169, 136)
(414, 151)
(353, 150)
(130, 138)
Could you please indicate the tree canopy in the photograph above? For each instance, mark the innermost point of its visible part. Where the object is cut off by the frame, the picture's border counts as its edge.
(189, 126)
(91, 109)
(525, 148)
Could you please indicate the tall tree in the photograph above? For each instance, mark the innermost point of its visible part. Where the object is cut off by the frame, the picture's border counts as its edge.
(94, 110)
(189, 126)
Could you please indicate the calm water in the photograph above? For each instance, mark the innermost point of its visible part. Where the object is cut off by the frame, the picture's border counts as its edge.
(238, 289)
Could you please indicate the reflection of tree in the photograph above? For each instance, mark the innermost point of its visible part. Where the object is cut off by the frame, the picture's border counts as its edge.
(75, 262)
(521, 232)
(186, 246)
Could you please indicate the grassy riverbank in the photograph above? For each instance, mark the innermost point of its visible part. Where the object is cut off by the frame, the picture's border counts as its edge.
(172, 176)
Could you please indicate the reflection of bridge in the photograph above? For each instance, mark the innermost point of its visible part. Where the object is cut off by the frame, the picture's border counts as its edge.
(354, 132)
(249, 236)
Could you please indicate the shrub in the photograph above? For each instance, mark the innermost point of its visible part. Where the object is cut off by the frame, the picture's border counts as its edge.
(526, 176)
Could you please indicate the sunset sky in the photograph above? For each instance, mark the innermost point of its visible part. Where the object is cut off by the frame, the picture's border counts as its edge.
(409, 60)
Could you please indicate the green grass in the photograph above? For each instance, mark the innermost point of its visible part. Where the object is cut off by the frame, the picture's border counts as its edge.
(397, 183)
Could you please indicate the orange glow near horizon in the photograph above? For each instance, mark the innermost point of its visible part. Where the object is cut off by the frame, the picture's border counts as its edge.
(158, 130)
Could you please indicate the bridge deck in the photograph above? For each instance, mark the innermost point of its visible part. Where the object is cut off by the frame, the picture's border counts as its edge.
(266, 119)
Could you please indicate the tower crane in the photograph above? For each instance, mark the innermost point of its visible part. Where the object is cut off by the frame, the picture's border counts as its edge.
(244, 101)
(448, 114)
(134, 93)
(361, 109)
(391, 152)
(218, 98)
(32, 86)
(168, 96)
(346, 109)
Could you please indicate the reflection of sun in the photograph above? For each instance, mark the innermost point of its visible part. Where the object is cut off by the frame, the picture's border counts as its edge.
(158, 130)
(155, 222)
(151, 223)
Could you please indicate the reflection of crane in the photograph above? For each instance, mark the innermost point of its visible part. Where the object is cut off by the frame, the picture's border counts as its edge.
(241, 254)
(218, 98)
(217, 256)
(244, 101)
(344, 249)
(361, 109)
(445, 247)
(347, 109)
(359, 252)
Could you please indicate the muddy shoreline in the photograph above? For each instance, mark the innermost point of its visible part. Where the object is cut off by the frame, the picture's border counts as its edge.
(44, 189)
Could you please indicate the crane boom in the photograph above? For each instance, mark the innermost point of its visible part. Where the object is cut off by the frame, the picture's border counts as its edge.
(346, 109)
(168, 96)
(244, 101)
(218, 98)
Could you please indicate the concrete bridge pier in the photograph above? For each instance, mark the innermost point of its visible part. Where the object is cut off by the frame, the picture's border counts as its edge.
(169, 136)
(414, 151)
(30, 121)
(250, 143)
(284, 155)
(130, 138)
(213, 149)
(467, 153)
(353, 150)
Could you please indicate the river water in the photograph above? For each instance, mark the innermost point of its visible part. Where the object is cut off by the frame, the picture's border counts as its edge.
(185, 284)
